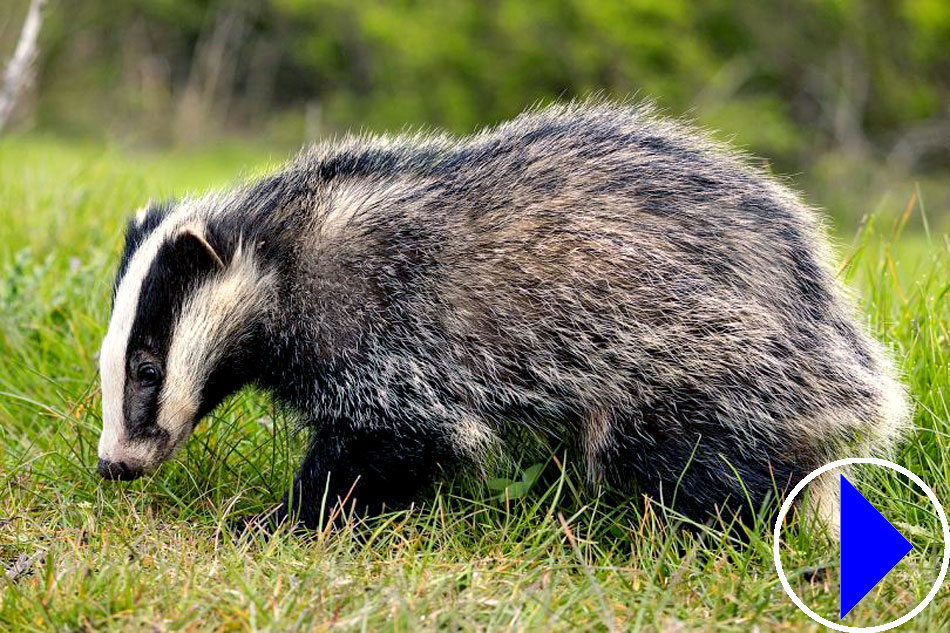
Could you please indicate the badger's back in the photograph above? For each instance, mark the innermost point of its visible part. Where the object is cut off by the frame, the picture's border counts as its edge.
(589, 272)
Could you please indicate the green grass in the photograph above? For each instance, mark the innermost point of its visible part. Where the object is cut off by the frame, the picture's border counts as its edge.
(157, 553)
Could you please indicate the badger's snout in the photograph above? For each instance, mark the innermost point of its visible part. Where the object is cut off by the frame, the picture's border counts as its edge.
(118, 470)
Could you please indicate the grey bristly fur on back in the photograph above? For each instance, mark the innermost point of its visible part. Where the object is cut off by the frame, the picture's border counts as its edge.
(589, 274)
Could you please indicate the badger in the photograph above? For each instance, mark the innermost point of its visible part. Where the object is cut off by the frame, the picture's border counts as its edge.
(590, 275)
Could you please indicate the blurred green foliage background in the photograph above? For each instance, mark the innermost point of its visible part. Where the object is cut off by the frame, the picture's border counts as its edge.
(849, 98)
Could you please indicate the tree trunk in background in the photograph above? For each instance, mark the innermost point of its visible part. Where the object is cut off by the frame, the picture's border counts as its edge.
(21, 68)
(211, 80)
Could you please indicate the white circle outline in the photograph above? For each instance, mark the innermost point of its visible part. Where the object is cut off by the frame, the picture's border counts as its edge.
(787, 505)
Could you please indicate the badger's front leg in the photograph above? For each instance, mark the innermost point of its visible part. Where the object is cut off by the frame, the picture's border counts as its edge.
(366, 471)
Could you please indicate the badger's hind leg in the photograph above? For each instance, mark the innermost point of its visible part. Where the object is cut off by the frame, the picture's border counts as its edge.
(698, 472)
(366, 471)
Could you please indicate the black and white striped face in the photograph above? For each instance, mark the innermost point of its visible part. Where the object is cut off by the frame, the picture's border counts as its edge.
(179, 339)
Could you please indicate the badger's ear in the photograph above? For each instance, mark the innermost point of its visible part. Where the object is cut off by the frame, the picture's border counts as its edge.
(196, 240)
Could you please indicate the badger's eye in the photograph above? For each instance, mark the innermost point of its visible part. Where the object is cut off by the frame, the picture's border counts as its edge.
(148, 374)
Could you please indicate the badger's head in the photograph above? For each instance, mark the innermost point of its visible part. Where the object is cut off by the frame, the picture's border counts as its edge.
(185, 321)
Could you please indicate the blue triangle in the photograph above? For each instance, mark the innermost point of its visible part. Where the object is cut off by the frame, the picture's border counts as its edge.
(870, 547)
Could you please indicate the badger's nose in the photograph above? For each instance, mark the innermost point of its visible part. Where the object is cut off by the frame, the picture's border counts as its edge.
(117, 470)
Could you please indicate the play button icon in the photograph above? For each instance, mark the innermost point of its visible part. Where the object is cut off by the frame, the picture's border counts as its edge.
(870, 547)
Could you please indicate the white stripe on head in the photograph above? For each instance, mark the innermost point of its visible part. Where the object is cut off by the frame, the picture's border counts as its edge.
(142, 213)
(112, 363)
(217, 314)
